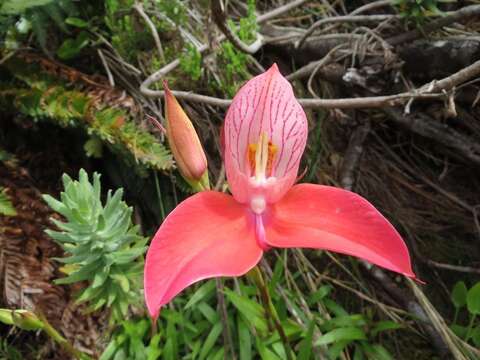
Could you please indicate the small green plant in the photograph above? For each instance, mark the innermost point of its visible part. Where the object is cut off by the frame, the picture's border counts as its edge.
(130, 342)
(123, 24)
(234, 65)
(419, 10)
(37, 15)
(119, 20)
(191, 62)
(9, 352)
(247, 26)
(6, 206)
(462, 297)
(106, 249)
(233, 61)
(15, 7)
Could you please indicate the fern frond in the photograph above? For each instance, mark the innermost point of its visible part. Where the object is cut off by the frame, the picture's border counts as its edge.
(47, 98)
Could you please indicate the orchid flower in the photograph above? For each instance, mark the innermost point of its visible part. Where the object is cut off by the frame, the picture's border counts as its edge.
(214, 234)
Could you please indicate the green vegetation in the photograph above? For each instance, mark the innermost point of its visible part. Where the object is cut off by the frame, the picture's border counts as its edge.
(419, 10)
(105, 248)
(6, 206)
(469, 300)
(73, 69)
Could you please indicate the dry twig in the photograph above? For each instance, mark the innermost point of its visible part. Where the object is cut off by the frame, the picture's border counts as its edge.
(344, 19)
(460, 15)
(139, 9)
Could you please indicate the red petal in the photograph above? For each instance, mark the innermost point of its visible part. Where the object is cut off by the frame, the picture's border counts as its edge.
(325, 217)
(207, 235)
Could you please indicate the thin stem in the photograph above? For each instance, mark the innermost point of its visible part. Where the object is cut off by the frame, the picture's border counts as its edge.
(159, 195)
(55, 335)
(256, 275)
(470, 325)
(227, 337)
(455, 316)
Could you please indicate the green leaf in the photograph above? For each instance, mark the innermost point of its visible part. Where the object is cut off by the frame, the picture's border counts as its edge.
(459, 330)
(84, 273)
(320, 294)
(210, 341)
(93, 147)
(265, 353)
(356, 320)
(77, 22)
(210, 314)
(99, 278)
(305, 346)
(383, 326)
(337, 347)
(475, 336)
(72, 47)
(244, 340)
(376, 352)
(473, 299)
(15, 7)
(109, 350)
(335, 308)
(348, 333)
(6, 206)
(252, 311)
(122, 280)
(202, 293)
(459, 294)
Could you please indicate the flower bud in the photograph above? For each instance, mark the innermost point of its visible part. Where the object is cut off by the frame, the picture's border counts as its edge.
(185, 144)
(24, 319)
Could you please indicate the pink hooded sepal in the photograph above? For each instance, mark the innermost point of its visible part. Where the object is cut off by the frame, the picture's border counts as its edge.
(329, 218)
(265, 104)
(208, 235)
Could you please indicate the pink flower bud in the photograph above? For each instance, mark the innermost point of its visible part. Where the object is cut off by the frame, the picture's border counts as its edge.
(183, 139)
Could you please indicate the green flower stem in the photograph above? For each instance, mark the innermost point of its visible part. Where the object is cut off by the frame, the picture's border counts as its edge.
(455, 316)
(55, 335)
(159, 195)
(470, 326)
(257, 277)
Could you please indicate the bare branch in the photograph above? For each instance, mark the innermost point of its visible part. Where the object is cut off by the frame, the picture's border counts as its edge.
(371, 6)
(139, 8)
(107, 69)
(345, 18)
(427, 91)
(279, 11)
(440, 133)
(353, 154)
(459, 15)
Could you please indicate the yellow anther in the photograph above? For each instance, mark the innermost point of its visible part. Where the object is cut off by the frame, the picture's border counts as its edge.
(260, 157)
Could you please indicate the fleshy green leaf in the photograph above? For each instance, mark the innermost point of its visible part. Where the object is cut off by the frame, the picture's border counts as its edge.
(459, 294)
(473, 299)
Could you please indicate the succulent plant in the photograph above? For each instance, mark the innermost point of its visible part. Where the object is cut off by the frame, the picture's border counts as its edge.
(105, 247)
